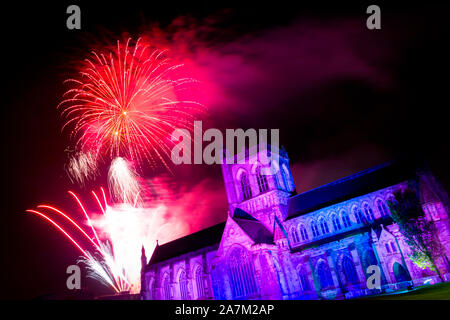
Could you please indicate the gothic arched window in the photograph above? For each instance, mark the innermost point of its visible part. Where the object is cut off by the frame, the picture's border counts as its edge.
(324, 274)
(382, 208)
(199, 282)
(182, 280)
(368, 212)
(314, 229)
(294, 233)
(241, 273)
(324, 226)
(304, 233)
(336, 222)
(304, 282)
(245, 184)
(388, 248)
(358, 215)
(393, 246)
(262, 181)
(349, 270)
(166, 286)
(345, 219)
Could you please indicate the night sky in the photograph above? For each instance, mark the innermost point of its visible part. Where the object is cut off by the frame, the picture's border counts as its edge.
(345, 98)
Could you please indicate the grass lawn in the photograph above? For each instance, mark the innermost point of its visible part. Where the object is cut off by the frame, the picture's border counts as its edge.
(440, 291)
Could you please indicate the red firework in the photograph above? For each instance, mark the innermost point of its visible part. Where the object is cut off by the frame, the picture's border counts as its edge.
(124, 103)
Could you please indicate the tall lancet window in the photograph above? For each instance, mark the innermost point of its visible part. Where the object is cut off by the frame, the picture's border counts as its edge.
(304, 233)
(182, 280)
(199, 283)
(349, 270)
(358, 215)
(324, 274)
(294, 233)
(324, 226)
(304, 282)
(315, 230)
(382, 208)
(262, 180)
(368, 212)
(241, 272)
(166, 286)
(336, 222)
(345, 219)
(245, 184)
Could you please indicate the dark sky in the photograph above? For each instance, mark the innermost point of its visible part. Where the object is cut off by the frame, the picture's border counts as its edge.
(344, 98)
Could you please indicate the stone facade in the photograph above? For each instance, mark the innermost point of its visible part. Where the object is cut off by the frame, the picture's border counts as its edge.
(316, 252)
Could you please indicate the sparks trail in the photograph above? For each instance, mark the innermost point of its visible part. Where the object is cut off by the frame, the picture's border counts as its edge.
(102, 264)
(82, 166)
(124, 103)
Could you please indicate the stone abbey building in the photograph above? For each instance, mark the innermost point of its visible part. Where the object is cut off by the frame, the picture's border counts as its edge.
(276, 244)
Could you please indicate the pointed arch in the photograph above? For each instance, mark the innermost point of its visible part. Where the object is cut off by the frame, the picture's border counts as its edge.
(305, 285)
(324, 275)
(262, 180)
(183, 284)
(245, 185)
(368, 212)
(349, 270)
(358, 214)
(166, 287)
(324, 225)
(382, 208)
(294, 233)
(400, 273)
(314, 229)
(199, 282)
(336, 222)
(345, 219)
(303, 232)
(241, 273)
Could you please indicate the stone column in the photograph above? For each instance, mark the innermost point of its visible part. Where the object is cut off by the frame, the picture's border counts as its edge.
(335, 276)
(333, 271)
(172, 283)
(358, 266)
(187, 266)
(207, 281)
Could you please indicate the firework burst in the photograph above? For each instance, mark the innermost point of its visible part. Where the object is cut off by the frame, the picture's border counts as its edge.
(125, 103)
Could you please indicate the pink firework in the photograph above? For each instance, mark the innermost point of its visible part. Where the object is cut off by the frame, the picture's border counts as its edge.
(125, 103)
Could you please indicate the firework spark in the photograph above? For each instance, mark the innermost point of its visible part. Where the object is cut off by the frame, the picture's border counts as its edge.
(81, 167)
(124, 182)
(115, 237)
(124, 103)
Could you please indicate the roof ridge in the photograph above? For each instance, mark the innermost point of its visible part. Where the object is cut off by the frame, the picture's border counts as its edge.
(193, 234)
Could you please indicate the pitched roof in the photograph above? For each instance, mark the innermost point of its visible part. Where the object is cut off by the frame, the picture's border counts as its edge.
(358, 184)
(195, 241)
(252, 227)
